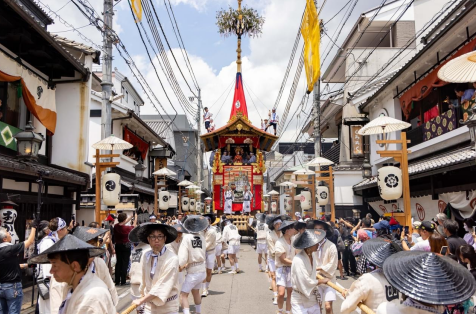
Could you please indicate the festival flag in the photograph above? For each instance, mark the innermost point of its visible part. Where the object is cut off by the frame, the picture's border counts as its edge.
(311, 34)
(137, 8)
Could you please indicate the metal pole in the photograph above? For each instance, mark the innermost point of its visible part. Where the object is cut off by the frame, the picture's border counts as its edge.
(317, 119)
(37, 218)
(199, 126)
(107, 70)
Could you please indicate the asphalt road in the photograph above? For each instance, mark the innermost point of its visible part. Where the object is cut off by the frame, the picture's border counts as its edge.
(247, 292)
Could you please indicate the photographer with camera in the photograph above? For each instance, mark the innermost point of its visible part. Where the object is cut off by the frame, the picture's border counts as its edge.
(348, 257)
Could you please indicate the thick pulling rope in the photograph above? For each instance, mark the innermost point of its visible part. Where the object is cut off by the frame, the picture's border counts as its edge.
(362, 306)
(129, 309)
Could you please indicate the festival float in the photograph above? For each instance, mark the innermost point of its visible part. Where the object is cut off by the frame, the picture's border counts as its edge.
(239, 137)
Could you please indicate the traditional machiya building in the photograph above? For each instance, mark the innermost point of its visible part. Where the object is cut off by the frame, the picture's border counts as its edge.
(232, 146)
(43, 83)
(441, 162)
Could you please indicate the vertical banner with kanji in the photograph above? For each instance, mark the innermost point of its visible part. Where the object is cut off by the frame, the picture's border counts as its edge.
(356, 141)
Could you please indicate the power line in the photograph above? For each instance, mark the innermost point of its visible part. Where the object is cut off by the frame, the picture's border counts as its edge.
(216, 101)
(345, 5)
(187, 60)
(168, 45)
(169, 73)
(290, 64)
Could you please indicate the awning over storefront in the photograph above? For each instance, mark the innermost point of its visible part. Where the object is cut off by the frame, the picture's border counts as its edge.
(39, 99)
(426, 208)
(460, 157)
(12, 165)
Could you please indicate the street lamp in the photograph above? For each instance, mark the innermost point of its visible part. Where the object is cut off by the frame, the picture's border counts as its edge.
(29, 143)
(139, 169)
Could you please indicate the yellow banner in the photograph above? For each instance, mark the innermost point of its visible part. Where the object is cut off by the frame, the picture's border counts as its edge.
(311, 34)
(137, 8)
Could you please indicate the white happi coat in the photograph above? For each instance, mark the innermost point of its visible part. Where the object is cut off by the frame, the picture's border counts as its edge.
(303, 279)
(229, 197)
(135, 273)
(393, 308)
(102, 271)
(326, 258)
(45, 243)
(210, 239)
(91, 296)
(192, 253)
(163, 284)
(247, 196)
(231, 234)
(271, 239)
(372, 289)
(174, 246)
(261, 233)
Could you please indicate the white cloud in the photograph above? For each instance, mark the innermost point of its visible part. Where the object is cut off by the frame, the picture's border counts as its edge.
(263, 70)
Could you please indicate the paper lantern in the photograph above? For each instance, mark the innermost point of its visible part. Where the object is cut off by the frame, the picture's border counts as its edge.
(288, 203)
(274, 207)
(306, 200)
(389, 182)
(185, 203)
(198, 206)
(111, 187)
(322, 195)
(266, 206)
(192, 204)
(164, 197)
(9, 215)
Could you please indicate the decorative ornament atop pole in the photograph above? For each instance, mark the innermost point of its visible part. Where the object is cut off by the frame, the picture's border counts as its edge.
(239, 32)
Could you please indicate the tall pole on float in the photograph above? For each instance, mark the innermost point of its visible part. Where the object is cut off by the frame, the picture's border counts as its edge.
(239, 32)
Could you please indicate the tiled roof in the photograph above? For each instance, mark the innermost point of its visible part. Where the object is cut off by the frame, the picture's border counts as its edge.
(9, 164)
(443, 160)
(163, 129)
(74, 44)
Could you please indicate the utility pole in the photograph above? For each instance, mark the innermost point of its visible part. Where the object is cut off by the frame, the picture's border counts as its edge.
(199, 127)
(317, 119)
(107, 70)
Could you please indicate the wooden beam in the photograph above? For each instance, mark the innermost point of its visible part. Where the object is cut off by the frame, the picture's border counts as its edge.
(155, 195)
(331, 192)
(97, 211)
(108, 164)
(391, 141)
(406, 183)
(107, 156)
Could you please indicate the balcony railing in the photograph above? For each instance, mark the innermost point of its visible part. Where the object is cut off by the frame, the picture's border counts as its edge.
(444, 123)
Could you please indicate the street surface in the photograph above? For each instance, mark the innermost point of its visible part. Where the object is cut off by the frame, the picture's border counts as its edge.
(247, 292)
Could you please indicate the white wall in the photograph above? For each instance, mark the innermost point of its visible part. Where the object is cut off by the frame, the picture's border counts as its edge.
(343, 192)
(424, 12)
(70, 142)
(390, 107)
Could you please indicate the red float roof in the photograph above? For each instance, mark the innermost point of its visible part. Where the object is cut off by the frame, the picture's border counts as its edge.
(239, 101)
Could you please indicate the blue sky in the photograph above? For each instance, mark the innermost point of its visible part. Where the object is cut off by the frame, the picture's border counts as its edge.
(264, 58)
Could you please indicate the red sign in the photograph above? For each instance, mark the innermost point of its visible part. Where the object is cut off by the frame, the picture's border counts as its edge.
(441, 206)
(141, 145)
(420, 211)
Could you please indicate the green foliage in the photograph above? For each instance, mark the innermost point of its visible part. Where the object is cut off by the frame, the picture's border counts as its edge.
(227, 21)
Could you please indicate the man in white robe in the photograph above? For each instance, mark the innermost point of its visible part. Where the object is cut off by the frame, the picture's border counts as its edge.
(229, 198)
(306, 298)
(159, 288)
(210, 235)
(86, 293)
(247, 197)
(284, 254)
(272, 237)
(233, 237)
(192, 256)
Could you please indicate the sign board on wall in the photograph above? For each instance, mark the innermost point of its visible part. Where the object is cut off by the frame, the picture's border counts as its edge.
(160, 162)
(356, 141)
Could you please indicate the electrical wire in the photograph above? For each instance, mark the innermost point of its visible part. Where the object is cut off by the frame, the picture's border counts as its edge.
(345, 5)
(185, 55)
(71, 29)
(216, 101)
(252, 101)
(168, 44)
